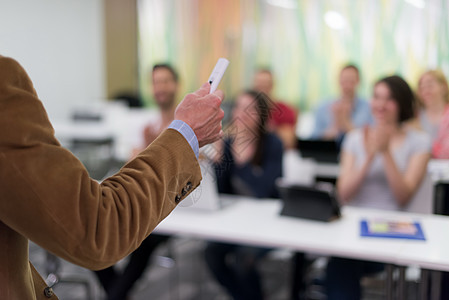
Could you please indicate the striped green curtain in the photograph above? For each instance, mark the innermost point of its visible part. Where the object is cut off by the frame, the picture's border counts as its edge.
(304, 43)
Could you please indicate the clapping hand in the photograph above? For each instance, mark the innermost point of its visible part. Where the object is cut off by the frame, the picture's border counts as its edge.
(377, 139)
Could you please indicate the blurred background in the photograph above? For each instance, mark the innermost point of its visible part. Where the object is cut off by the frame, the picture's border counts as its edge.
(83, 51)
(304, 43)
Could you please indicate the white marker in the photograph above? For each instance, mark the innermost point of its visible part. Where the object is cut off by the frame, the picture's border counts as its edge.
(217, 74)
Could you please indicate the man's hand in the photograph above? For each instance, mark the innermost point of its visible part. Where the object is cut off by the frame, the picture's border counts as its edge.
(202, 112)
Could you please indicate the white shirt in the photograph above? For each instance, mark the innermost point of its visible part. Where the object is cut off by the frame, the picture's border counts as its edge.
(375, 191)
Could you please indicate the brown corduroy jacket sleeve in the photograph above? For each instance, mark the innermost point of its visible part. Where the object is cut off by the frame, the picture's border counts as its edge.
(47, 196)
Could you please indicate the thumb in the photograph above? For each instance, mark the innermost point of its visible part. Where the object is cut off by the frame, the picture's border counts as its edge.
(219, 94)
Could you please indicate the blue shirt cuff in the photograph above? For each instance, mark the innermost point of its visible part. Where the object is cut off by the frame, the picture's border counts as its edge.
(187, 133)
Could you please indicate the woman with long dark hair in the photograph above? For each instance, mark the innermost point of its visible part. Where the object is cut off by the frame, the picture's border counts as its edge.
(249, 162)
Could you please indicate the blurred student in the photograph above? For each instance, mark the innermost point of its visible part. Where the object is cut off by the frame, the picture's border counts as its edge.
(119, 284)
(334, 119)
(248, 163)
(382, 166)
(433, 92)
(283, 117)
(282, 121)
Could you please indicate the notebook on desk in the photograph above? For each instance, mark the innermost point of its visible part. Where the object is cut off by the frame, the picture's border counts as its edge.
(384, 228)
(322, 151)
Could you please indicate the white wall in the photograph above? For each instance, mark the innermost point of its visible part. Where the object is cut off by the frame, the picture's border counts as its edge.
(60, 44)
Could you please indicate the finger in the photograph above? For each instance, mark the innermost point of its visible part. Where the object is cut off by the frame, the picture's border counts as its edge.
(203, 90)
(219, 94)
(365, 133)
(216, 98)
(221, 116)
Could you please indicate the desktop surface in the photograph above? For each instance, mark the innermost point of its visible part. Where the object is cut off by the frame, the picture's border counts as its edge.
(259, 223)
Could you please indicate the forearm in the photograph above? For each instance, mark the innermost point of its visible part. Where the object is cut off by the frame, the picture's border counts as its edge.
(48, 197)
(330, 133)
(338, 129)
(347, 126)
(396, 180)
(94, 225)
(348, 184)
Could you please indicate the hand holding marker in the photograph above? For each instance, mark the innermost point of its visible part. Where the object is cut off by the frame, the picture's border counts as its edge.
(217, 74)
(214, 79)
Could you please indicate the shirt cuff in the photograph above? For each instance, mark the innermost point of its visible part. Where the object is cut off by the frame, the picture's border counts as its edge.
(187, 133)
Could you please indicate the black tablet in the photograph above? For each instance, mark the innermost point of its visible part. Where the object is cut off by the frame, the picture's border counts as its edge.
(309, 203)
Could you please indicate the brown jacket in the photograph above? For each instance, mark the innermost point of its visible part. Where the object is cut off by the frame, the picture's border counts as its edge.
(46, 194)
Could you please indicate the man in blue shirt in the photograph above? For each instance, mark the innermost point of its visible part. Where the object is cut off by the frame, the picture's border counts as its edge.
(334, 119)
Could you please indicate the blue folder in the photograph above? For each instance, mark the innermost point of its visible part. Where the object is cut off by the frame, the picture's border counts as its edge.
(419, 234)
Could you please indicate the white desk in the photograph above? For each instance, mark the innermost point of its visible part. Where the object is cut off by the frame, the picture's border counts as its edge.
(439, 168)
(257, 222)
(124, 125)
(434, 253)
(66, 131)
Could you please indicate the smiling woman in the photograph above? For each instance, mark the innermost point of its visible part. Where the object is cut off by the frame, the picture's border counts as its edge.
(381, 167)
(248, 163)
